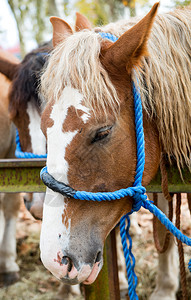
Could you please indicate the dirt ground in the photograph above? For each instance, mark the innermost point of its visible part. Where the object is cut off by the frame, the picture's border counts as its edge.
(36, 283)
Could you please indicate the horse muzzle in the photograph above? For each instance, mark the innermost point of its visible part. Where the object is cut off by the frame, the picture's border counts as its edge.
(72, 253)
(73, 271)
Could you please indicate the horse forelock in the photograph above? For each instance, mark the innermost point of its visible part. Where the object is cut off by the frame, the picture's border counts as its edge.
(76, 63)
(164, 77)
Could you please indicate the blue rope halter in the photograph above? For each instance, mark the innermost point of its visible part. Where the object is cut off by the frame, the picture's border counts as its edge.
(137, 192)
(20, 154)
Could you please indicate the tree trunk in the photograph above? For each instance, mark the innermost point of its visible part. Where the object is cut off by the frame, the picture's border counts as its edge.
(52, 8)
(18, 22)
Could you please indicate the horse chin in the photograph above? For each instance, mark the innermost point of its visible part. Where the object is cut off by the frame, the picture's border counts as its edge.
(94, 273)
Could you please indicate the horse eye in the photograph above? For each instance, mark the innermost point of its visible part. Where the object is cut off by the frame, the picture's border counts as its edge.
(101, 134)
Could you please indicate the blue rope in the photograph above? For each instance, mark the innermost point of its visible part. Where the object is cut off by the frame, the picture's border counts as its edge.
(189, 265)
(20, 154)
(137, 192)
(109, 36)
(167, 223)
(108, 196)
(129, 257)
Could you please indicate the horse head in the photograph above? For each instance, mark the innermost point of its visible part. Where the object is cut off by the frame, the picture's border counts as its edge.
(89, 125)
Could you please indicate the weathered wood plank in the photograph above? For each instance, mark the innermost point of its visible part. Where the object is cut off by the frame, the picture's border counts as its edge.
(18, 175)
(22, 175)
(176, 184)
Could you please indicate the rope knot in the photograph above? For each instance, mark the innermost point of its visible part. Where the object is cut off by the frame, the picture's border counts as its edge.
(139, 197)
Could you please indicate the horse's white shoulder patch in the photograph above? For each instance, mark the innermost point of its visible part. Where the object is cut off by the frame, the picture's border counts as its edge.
(38, 141)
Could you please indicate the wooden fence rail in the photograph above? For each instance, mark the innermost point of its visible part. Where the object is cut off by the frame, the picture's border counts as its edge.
(21, 175)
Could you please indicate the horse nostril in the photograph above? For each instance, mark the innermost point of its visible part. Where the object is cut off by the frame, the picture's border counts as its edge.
(69, 265)
(64, 260)
(67, 261)
(98, 257)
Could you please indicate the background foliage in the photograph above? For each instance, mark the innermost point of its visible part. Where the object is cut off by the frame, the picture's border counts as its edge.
(32, 16)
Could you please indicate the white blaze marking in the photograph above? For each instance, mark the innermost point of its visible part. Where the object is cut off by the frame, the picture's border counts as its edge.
(38, 141)
(57, 140)
(85, 117)
(54, 205)
(54, 234)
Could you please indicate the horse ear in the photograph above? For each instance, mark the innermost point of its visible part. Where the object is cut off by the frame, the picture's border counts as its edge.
(61, 29)
(82, 22)
(132, 45)
(8, 68)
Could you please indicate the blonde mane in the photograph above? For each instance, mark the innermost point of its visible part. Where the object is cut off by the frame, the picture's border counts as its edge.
(76, 63)
(164, 77)
(165, 81)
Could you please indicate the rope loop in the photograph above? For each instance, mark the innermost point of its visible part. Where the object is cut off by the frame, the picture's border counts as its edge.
(20, 154)
(138, 202)
(108, 196)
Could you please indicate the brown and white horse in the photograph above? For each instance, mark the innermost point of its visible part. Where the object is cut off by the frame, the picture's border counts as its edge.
(89, 125)
(19, 103)
(24, 104)
(9, 203)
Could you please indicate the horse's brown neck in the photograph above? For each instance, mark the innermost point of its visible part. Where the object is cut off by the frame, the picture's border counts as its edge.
(4, 88)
